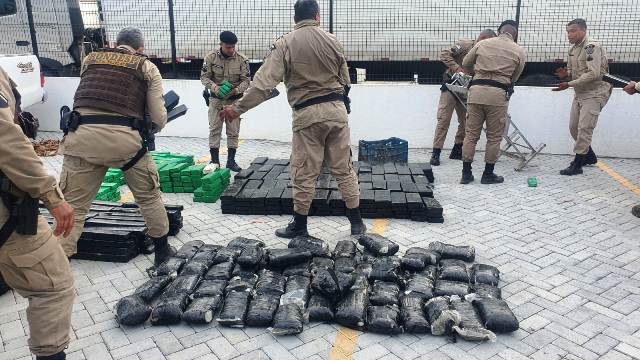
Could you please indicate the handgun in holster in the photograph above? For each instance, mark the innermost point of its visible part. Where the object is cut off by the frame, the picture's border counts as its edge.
(206, 95)
(347, 99)
(69, 120)
(23, 209)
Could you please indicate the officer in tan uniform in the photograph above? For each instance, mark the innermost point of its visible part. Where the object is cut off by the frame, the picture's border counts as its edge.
(312, 64)
(496, 64)
(220, 65)
(32, 261)
(452, 59)
(586, 65)
(104, 132)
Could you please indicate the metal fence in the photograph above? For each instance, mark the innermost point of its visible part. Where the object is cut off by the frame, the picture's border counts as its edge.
(392, 39)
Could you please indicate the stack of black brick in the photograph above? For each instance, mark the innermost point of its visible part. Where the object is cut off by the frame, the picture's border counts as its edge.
(390, 190)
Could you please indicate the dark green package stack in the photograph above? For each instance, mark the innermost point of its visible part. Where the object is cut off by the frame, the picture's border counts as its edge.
(114, 176)
(213, 184)
(191, 177)
(108, 192)
(170, 168)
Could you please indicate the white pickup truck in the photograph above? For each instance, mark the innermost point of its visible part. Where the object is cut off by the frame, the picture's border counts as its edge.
(24, 70)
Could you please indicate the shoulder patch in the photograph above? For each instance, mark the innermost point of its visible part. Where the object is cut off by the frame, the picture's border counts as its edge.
(589, 49)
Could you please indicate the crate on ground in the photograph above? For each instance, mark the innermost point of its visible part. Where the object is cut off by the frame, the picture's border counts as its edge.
(392, 149)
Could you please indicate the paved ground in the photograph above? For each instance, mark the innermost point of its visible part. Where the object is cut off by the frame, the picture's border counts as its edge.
(568, 252)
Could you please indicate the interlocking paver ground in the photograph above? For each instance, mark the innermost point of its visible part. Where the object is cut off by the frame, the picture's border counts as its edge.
(568, 251)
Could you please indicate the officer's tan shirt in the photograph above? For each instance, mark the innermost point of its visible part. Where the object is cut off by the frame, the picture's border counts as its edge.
(113, 141)
(311, 62)
(587, 64)
(452, 57)
(18, 160)
(217, 68)
(499, 59)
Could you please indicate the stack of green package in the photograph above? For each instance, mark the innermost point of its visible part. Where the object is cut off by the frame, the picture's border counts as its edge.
(170, 168)
(108, 192)
(191, 176)
(114, 176)
(213, 184)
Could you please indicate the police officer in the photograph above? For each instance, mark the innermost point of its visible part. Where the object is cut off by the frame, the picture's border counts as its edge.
(32, 261)
(496, 64)
(220, 65)
(117, 88)
(452, 59)
(586, 65)
(314, 69)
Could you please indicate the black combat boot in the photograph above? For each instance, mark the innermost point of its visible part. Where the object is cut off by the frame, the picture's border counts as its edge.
(59, 356)
(636, 211)
(215, 155)
(575, 168)
(467, 176)
(163, 250)
(231, 161)
(590, 158)
(357, 225)
(456, 152)
(297, 227)
(435, 157)
(489, 177)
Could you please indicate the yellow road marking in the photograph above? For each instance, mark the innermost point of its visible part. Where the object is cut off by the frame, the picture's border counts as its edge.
(346, 338)
(619, 178)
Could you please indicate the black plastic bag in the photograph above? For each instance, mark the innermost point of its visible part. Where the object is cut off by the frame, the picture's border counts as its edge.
(205, 257)
(282, 258)
(331, 284)
(251, 257)
(168, 310)
(378, 244)
(288, 320)
(182, 285)
(189, 249)
(244, 282)
(194, 267)
(261, 310)
(485, 274)
(298, 269)
(446, 251)
(412, 314)
(220, 271)
(384, 293)
(210, 288)
(132, 310)
(316, 246)
(416, 259)
(386, 268)
(244, 243)
(152, 288)
(454, 270)
(420, 285)
(351, 310)
(441, 317)
(226, 254)
(345, 265)
(470, 327)
(201, 310)
(234, 309)
(484, 290)
(345, 249)
(239, 270)
(450, 288)
(319, 308)
(270, 282)
(297, 291)
(496, 315)
(384, 319)
(364, 269)
(171, 267)
(208, 248)
(318, 263)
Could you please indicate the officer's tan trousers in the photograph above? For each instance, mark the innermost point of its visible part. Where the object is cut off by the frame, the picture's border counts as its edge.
(215, 125)
(583, 120)
(36, 268)
(80, 181)
(496, 119)
(326, 142)
(447, 104)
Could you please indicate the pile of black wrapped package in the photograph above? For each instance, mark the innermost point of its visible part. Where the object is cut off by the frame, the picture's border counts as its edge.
(116, 232)
(363, 286)
(390, 190)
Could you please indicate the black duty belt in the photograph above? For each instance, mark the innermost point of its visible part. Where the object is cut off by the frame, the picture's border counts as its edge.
(507, 88)
(319, 100)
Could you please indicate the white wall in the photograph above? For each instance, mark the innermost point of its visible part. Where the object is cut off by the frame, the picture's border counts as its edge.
(407, 111)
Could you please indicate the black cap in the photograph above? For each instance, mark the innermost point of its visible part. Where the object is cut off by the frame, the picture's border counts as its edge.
(228, 37)
(508, 22)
